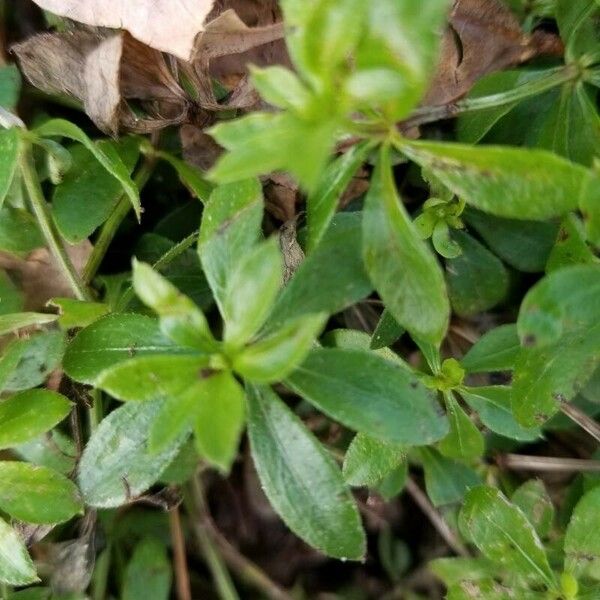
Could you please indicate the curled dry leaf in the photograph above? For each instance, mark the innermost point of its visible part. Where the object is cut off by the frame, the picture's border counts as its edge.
(167, 25)
(38, 275)
(482, 36)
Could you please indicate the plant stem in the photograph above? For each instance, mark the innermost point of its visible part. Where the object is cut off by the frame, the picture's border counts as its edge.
(577, 416)
(180, 568)
(552, 79)
(547, 463)
(245, 568)
(435, 518)
(111, 226)
(95, 413)
(51, 236)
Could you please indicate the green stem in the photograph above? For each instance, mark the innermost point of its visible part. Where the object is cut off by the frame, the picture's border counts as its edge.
(551, 79)
(42, 214)
(95, 413)
(111, 226)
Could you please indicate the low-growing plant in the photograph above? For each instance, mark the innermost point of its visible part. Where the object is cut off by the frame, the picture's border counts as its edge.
(126, 382)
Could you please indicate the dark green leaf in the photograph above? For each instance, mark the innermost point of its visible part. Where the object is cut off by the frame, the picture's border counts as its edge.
(78, 313)
(477, 280)
(329, 279)
(9, 156)
(116, 464)
(37, 494)
(533, 499)
(10, 86)
(14, 321)
(88, 193)
(464, 440)
(570, 247)
(579, 29)
(369, 394)
(230, 227)
(148, 573)
(446, 480)
(113, 339)
(369, 460)
(301, 480)
(504, 535)
(190, 176)
(387, 332)
(507, 182)
(16, 566)
(402, 268)
(322, 203)
(11, 298)
(28, 414)
(493, 405)
(19, 231)
(495, 350)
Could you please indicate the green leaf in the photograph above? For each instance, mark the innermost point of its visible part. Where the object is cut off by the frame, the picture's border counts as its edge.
(19, 231)
(251, 291)
(396, 56)
(369, 460)
(180, 318)
(495, 350)
(387, 332)
(9, 157)
(369, 394)
(330, 278)
(322, 203)
(578, 27)
(151, 377)
(10, 86)
(493, 405)
(504, 535)
(28, 361)
(107, 157)
(148, 573)
(116, 465)
(582, 545)
(280, 87)
(16, 566)
(477, 280)
(264, 142)
(37, 494)
(446, 480)
(570, 247)
(54, 450)
(11, 298)
(14, 321)
(190, 176)
(464, 440)
(28, 414)
(558, 326)
(219, 419)
(88, 193)
(113, 339)
(402, 268)
(507, 182)
(78, 313)
(274, 356)
(524, 245)
(231, 225)
(533, 499)
(301, 480)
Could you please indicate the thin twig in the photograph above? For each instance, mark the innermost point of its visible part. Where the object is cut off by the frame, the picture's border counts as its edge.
(182, 576)
(244, 567)
(435, 518)
(42, 215)
(547, 463)
(586, 423)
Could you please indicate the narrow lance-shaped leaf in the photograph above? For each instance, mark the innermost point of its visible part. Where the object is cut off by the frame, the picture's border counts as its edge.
(402, 268)
(14, 321)
(504, 535)
(507, 182)
(301, 480)
(107, 156)
(464, 441)
(369, 394)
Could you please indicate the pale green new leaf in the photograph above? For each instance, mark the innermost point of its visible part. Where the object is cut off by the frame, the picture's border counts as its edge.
(301, 480)
(274, 356)
(251, 291)
(37, 494)
(13, 321)
(369, 394)
(28, 414)
(464, 441)
(401, 266)
(78, 313)
(504, 535)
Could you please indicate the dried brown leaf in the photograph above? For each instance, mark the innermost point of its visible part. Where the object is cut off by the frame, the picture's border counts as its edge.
(167, 25)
